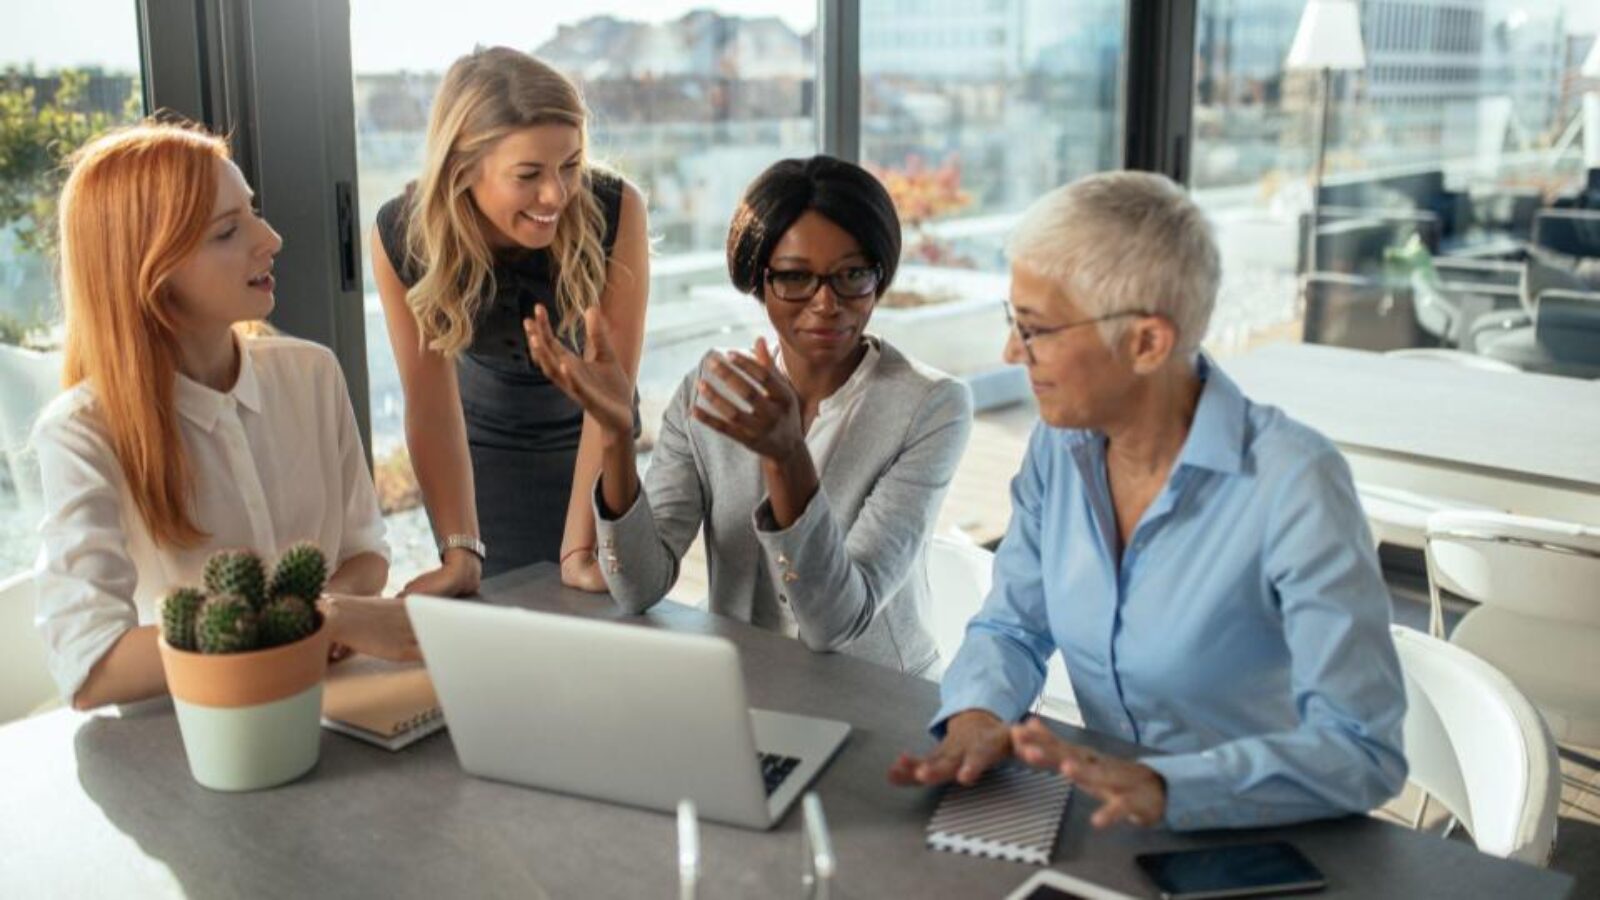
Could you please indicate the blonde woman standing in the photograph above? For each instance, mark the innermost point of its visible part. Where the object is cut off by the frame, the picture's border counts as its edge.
(507, 217)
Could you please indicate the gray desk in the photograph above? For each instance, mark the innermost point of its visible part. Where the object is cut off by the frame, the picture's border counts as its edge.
(1521, 442)
(105, 806)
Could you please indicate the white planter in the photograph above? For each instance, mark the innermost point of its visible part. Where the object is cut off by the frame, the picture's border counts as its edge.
(250, 720)
(963, 335)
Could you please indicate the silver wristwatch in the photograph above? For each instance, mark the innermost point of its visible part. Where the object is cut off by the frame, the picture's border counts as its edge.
(466, 542)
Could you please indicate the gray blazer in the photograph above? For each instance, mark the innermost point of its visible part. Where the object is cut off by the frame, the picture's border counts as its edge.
(852, 570)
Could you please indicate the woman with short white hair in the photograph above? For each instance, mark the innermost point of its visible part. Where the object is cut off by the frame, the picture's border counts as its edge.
(1200, 561)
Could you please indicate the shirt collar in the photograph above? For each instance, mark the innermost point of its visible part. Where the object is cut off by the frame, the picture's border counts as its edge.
(1216, 436)
(202, 405)
(853, 386)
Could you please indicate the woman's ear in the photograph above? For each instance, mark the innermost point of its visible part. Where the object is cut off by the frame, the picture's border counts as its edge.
(1152, 340)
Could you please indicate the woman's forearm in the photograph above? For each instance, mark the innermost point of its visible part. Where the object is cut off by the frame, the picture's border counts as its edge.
(579, 531)
(791, 484)
(364, 574)
(619, 474)
(437, 440)
(131, 670)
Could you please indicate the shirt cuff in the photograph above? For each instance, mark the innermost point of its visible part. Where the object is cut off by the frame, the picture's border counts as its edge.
(606, 525)
(1196, 796)
(959, 700)
(629, 540)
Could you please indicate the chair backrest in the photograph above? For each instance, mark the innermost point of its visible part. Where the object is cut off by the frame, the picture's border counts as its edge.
(959, 575)
(25, 682)
(1574, 232)
(1568, 325)
(1352, 311)
(1479, 748)
(1536, 567)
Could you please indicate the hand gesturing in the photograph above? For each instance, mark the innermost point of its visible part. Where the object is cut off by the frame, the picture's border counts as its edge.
(596, 381)
(771, 428)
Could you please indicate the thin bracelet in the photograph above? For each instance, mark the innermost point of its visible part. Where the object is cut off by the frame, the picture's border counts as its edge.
(569, 553)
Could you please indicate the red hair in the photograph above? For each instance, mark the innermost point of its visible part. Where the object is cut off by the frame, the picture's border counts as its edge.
(135, 207)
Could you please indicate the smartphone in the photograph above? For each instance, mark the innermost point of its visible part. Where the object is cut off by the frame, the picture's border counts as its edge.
(1243, 870)
(1048, 884)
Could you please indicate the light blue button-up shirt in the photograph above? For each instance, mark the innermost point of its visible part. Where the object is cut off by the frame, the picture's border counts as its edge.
(1244, 629)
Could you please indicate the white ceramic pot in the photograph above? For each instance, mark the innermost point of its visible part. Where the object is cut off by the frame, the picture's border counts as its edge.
(250, 720)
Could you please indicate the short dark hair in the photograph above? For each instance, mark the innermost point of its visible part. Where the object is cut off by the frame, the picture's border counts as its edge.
(843, 193)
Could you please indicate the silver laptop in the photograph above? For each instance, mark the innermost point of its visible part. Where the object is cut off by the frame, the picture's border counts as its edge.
(615, 712)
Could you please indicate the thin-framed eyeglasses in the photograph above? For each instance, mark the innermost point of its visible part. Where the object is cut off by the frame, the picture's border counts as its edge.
(1027, 334)
(800, 285)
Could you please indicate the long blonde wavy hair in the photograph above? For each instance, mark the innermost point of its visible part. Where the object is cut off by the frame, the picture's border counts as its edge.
(486, 95)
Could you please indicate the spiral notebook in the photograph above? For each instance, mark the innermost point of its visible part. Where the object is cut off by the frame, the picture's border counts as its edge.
(1012, 813)
(389, 704)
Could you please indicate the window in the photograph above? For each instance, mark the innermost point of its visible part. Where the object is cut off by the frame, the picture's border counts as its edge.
(1453, 133)
(60, 84)
(965, 139)
(690, 101)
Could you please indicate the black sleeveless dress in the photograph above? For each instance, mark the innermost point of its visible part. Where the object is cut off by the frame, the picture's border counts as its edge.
(522, 431)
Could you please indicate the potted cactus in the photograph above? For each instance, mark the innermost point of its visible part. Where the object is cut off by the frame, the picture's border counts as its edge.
(245, 659)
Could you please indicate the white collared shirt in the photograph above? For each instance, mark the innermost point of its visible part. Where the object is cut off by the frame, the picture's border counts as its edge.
(834, 414)
(837, 409)
(275, 460)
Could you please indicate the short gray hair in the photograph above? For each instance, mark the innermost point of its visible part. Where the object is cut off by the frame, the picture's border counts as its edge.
(1119, 241)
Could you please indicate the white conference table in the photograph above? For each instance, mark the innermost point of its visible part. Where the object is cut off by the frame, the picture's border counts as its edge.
(1522, 442)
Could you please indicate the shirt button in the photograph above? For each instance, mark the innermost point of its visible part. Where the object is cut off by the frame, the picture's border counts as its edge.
(784, 599)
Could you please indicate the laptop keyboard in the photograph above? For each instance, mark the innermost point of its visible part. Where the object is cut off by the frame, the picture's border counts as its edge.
(775, 768)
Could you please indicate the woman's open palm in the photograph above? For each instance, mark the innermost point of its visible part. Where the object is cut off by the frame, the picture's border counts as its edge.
(596, 381)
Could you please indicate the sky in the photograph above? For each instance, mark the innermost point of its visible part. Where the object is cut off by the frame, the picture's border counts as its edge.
(387, 35)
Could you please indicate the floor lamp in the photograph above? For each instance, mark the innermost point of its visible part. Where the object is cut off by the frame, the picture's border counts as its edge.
(1329, 38)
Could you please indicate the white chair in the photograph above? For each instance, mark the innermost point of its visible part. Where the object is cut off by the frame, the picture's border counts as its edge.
(25, 683)
(959, 575)
(1476, 745)
(1537, 586)
(1400, 518)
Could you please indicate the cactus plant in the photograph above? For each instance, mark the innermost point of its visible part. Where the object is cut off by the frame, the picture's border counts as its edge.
(178, 613)
(237, 572)
(226, 624)
(286, 620)
(300, 573)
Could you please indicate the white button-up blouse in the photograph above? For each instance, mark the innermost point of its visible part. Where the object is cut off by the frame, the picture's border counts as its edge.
(274, 461)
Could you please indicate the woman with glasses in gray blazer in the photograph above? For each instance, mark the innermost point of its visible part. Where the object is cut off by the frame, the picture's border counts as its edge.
(816, 464)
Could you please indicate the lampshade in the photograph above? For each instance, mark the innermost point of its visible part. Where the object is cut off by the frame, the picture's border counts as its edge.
(1329, 37)
(1591, 63)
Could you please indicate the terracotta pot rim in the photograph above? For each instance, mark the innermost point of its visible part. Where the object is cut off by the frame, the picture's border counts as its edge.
(250, 678)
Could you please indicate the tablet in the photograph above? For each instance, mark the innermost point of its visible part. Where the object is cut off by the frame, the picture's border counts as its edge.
(1243, 870)
(1048, 884)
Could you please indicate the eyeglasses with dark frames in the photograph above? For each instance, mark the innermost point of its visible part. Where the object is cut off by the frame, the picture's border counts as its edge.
(800, 285)
(1027, 334)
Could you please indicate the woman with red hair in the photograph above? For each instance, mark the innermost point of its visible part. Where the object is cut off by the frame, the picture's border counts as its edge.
(179, 433)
